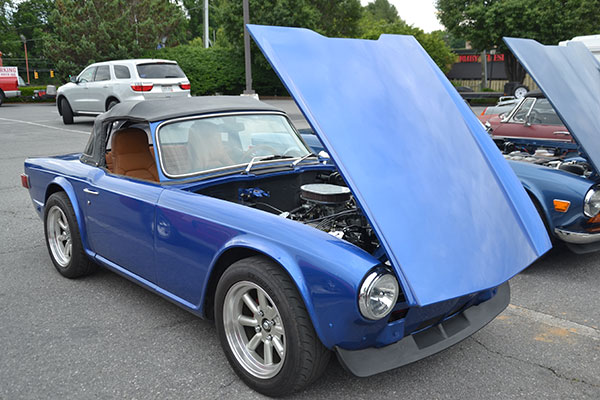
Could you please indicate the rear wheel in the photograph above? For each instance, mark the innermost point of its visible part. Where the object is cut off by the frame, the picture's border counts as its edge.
(1, 97)
(111, 104)
(63, 239)
(265, 330)
(520, 91)
(66, 111)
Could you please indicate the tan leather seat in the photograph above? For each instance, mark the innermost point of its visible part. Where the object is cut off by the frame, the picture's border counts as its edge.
(131, 155)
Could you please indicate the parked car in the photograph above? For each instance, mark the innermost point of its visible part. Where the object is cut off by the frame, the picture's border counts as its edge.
(532, 119)
(504, 106)
(9, 83)
(102, 85)
(562, 177)
(216, 204)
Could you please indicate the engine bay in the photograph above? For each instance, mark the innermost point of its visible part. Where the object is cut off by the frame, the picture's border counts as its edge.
(320, 199)
(555, 159)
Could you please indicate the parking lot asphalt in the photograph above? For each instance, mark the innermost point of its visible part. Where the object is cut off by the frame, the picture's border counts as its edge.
(103, 337)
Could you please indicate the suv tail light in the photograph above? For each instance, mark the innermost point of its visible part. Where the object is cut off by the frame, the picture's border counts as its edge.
(185, 86)
(142, 87)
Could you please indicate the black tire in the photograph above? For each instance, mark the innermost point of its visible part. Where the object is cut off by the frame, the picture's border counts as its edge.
(66, 111)
(79, 264)
(111, 104)
(1, 97)
(305, 356)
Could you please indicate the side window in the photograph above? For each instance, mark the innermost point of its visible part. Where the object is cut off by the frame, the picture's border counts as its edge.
(87, 75)
(543, 113)
(122, 72)
(521, 113)
(102, 73)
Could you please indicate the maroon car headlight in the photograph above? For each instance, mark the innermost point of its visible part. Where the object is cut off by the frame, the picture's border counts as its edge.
(591, 202)
(378, 294)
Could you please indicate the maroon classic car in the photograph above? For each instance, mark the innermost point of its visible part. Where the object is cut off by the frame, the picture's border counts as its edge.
(532, 118)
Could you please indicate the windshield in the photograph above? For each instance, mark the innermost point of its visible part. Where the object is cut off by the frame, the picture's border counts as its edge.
(193, 146)
(159, 71)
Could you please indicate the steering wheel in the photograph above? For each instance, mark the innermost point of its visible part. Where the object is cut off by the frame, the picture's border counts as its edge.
(258, 150)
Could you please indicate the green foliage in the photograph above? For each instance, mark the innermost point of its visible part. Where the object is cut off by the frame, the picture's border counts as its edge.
(210, 71)
(433, 43)
(98, 30)
(485, 23)
(382, 10)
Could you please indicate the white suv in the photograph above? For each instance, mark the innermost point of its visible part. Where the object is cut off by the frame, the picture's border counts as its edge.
(102, 85)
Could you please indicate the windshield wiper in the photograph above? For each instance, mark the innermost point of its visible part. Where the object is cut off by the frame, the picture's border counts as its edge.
(259, 158)
(298, 161)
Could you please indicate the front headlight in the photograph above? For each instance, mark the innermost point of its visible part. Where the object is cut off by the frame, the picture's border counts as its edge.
(591, 203)
(378, 294)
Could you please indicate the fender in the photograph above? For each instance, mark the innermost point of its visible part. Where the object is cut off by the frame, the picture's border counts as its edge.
(321, 320)
(539, 197)
(66, 186)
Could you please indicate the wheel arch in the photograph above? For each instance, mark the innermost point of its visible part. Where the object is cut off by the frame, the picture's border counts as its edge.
(108, 100)
(540, 205)
(60, 184)
(237, 251)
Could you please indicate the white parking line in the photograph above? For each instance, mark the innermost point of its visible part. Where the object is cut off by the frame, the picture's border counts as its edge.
(43, 126)
(552, 321)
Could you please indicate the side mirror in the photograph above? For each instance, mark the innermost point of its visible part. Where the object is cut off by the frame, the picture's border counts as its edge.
(528, 120)
(74, 79)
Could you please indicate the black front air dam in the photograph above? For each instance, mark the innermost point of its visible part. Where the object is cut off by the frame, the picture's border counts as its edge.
(371, 361)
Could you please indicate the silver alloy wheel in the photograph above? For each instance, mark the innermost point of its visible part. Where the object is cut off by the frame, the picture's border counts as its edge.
(254, 329)
(59, 236)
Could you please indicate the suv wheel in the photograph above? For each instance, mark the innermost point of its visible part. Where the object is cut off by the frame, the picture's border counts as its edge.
(66, 111)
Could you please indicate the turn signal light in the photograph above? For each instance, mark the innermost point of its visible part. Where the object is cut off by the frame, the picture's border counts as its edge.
(561, 205)
(142, 87)
(594, 220)
(25, 181)
(185, 86)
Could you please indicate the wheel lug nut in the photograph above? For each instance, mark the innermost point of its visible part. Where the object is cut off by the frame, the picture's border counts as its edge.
(269, 337)
(257, 329)
(261, 313)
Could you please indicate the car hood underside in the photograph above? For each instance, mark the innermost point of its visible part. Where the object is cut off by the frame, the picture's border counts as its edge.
(448, 210)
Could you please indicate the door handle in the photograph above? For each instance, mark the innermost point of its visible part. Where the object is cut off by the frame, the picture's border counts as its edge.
(561, 133)
(89, 191)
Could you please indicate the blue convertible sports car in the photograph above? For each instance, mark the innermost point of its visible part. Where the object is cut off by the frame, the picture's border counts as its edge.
(387, 256)
(562, 178)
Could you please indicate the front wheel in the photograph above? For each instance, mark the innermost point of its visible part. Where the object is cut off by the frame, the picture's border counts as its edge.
(265, 330)
(66, 111)
(63, 239)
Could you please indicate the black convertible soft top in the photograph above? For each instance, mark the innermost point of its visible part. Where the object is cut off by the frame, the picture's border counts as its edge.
(160, 110)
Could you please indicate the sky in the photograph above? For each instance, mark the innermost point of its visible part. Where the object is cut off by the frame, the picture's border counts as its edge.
(420, 13)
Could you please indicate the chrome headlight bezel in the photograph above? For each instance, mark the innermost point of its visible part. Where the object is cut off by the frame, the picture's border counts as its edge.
(591, 202)
(383, 280)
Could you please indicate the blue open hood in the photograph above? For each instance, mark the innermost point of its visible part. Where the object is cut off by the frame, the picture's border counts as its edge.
(449, 211)
(569, 76)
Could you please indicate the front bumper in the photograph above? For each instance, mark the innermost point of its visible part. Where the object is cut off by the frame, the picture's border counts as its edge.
(371, 361)
(577, 237)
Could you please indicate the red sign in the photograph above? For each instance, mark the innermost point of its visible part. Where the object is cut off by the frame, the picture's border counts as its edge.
(475, 58)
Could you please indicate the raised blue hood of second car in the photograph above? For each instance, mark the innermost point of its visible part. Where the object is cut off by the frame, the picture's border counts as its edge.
(569, 77)
(449, 211)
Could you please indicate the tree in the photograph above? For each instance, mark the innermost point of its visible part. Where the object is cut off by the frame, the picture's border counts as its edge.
(382, 10)
(485, 23)
(10, 43)
(433, 43)
(97, 30)
(31, 19)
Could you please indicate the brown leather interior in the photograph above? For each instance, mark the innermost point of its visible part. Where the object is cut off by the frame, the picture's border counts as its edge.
(131, 155)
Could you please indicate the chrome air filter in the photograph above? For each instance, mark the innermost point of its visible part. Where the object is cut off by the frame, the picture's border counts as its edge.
(324, 193)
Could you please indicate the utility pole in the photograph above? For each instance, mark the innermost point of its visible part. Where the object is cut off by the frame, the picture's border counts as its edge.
(247, 49)
(206, 24)
(484, 80)
(24, 40)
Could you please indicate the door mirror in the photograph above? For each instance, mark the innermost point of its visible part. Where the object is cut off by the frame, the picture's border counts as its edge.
(74, 79)
(528, 120)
